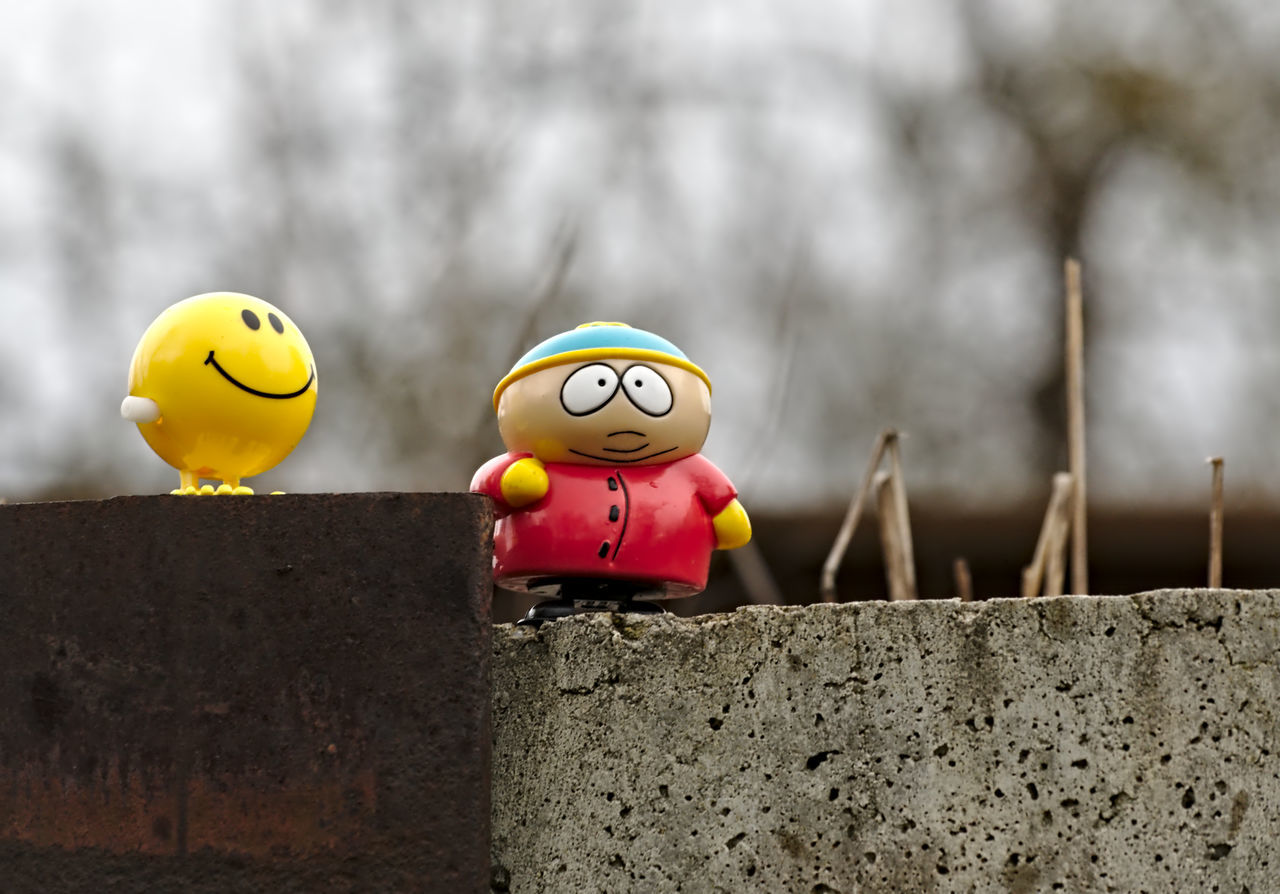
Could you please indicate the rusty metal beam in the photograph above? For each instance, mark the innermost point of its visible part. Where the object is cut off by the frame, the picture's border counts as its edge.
(232, 692)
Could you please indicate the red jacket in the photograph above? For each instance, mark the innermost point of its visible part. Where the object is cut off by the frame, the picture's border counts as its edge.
(641, 523)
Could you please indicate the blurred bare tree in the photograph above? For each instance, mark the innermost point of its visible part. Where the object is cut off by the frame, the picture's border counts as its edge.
(851, 218)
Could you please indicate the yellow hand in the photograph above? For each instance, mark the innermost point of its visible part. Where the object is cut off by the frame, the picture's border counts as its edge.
(733, 528)
(524, 482)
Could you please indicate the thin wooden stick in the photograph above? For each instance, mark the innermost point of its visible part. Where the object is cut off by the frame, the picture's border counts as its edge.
(1059, 499)
(902, 519)
(964, 581)
(1215, 525)
(891, 537)
(1075, 428)
(827, 588)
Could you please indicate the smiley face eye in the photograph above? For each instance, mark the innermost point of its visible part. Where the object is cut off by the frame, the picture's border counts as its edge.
(646, 389)
(275, 323)
(250, 319)
(588, 389)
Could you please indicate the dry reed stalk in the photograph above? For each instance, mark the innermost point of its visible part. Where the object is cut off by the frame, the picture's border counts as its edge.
(1215, 525)
(1055, 562)
(827, 588)
(891, 537)
(964, 581)
(754, 574)
(1075, 427)
(902, 518)
(1051, 541)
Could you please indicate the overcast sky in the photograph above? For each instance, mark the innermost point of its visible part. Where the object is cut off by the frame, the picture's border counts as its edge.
(158, 93)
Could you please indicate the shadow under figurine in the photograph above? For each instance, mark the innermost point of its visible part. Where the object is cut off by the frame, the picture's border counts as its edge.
(603, 498)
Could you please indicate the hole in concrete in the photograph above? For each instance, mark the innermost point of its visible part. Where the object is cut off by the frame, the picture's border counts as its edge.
(817, 760)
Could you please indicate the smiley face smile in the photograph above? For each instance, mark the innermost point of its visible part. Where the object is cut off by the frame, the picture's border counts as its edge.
(243, 387)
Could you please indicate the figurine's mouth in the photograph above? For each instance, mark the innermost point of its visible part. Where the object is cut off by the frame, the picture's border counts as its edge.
(623, 434)
(619, 459)
(243, 387)
(625, 449)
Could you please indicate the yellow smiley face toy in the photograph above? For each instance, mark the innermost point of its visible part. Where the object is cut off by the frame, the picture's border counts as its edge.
(222, 386)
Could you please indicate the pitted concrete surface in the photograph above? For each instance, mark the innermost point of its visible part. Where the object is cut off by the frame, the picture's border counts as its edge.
(1120, 744)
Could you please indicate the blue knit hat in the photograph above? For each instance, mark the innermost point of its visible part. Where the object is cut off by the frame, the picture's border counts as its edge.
(597, 341)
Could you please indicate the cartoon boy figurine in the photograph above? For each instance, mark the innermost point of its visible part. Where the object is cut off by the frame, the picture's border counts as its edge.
(603, 495)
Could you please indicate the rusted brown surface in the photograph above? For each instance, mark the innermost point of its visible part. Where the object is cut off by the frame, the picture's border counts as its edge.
(236, 691)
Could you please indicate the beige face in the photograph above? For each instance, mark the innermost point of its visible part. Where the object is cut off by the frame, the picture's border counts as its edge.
(606, 412)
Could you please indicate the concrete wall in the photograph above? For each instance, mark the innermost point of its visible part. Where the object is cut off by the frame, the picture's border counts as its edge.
(1079, 744)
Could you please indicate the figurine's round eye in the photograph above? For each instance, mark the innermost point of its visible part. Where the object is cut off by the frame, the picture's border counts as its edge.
(275, 323)
(250, 319)
(588, 389)
(647, 390)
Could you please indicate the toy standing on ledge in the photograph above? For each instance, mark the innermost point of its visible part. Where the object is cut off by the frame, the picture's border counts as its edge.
(603, 497)
(222, 386)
